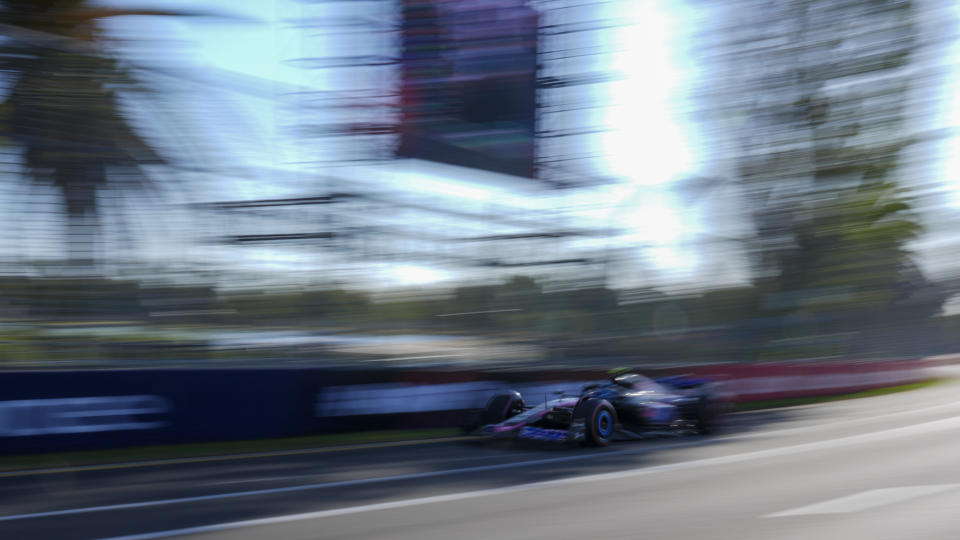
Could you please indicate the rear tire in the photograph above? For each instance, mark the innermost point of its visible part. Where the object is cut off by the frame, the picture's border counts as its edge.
(709, 415)
(599, 420)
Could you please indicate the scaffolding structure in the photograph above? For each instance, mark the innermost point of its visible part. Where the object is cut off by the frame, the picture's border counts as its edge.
(355, 117)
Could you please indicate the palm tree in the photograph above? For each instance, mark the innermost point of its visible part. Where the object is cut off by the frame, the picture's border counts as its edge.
(62, 110)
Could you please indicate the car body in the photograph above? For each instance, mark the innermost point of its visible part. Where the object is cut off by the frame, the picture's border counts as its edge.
(629, 406)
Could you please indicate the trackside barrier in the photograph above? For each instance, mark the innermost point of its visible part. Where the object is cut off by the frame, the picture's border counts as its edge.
(52, 411)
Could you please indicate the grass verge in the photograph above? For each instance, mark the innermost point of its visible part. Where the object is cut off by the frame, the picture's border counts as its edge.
(209, 449)
(793, 402)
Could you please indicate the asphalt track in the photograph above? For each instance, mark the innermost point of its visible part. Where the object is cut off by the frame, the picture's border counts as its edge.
(878, 468)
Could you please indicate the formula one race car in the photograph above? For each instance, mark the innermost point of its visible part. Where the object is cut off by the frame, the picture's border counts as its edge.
(629, 406)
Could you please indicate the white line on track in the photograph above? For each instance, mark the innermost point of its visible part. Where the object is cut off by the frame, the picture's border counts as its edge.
(927, 427)
(836, 423)
(254, 480)
(228, 457)
(302, 477)
(343, 483)
(865, 500)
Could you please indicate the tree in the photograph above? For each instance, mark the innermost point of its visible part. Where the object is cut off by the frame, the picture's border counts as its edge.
(810, 98)
(62, 110)
(855, 242)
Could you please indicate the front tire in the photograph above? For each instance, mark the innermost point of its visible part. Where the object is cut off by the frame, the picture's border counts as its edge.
(599, 420)
(503, 406)
(498, 408)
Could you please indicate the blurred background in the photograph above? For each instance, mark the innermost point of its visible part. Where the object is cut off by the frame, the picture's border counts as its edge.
(475, 182)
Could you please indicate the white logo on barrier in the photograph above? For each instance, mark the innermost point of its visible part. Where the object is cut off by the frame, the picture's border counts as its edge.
(28, 417)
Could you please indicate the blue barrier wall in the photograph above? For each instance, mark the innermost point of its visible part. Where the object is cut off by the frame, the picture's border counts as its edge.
(50, 411)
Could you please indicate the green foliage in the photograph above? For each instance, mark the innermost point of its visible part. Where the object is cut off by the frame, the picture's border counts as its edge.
(854, 244)
(330, 306)
(104, 321)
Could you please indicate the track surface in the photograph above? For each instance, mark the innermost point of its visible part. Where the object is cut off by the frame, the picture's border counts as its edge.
(877, 468)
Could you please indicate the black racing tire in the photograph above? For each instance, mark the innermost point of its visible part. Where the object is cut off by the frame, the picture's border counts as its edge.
(599, 420)
(471, 422)
(498, 408)
(502, 406)
(709, 415)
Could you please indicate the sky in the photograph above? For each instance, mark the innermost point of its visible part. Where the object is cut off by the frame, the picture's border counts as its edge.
(649, 143)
